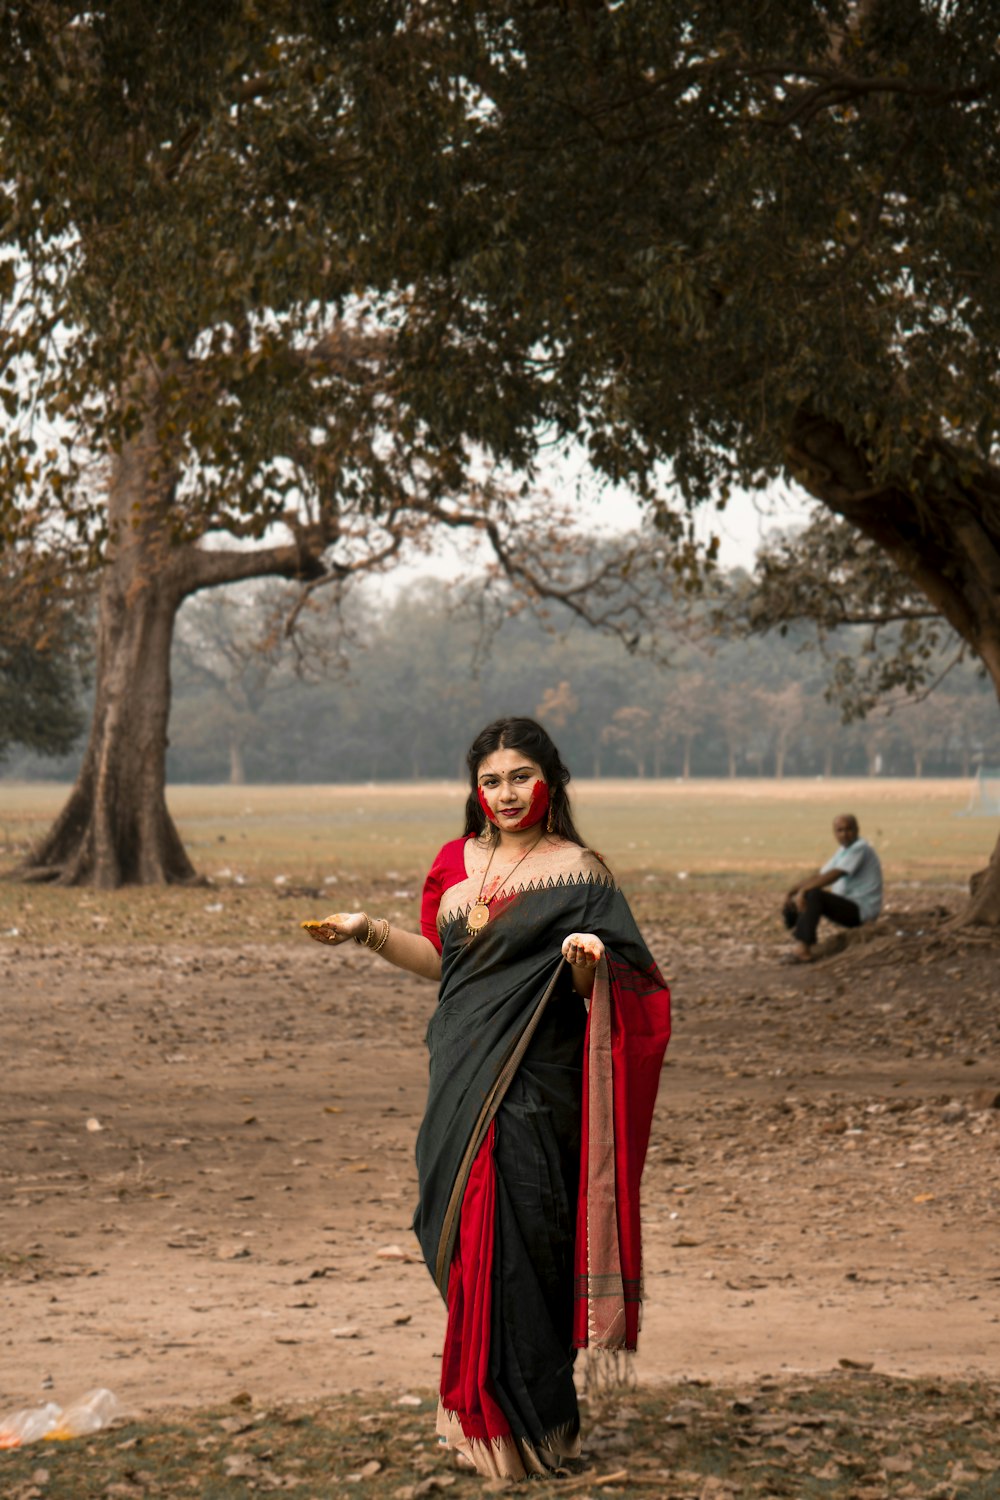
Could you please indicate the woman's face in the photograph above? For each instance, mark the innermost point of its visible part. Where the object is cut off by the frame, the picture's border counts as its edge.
(512, 790)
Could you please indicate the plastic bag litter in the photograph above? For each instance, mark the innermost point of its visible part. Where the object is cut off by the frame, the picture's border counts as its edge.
(90, 1413)
(28, 1425)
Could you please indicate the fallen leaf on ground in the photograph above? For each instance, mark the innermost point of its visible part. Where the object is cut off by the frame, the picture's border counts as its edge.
(897, 1464)
(241, 1466)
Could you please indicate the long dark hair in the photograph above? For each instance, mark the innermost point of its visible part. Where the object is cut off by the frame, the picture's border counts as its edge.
(530, 738)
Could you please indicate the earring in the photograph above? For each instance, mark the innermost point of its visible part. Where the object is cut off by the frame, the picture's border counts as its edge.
(550, 823)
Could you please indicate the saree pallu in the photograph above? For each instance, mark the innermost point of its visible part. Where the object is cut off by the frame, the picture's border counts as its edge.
(529, 1158)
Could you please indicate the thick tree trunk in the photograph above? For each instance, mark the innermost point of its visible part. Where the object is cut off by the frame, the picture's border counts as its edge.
(686, 767)
(940, 525)
(984, 907)
(115, 829)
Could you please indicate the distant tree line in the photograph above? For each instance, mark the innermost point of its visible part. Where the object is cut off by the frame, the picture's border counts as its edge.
(423, 673)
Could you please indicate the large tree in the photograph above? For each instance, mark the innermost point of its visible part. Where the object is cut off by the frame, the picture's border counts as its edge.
(196, 390)
(717, 245)
(183, 400)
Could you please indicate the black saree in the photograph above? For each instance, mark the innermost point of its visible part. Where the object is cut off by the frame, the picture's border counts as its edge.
(503, 1224)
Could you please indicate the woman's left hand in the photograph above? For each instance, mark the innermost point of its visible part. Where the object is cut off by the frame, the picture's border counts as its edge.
(584, 950)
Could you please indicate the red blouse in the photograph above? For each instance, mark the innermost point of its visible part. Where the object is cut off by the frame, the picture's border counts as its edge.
(447, 870)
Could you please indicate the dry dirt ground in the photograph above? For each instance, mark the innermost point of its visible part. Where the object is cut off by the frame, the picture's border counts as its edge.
(206, 1166)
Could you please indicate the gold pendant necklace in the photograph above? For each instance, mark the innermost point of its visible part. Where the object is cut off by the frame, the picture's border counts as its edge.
(478, 916)
(479, 911)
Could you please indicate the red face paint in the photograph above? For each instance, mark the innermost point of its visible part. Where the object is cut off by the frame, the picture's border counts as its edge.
(538, 806)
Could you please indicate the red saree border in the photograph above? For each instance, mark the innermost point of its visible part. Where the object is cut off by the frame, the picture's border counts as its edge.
(466, 1389)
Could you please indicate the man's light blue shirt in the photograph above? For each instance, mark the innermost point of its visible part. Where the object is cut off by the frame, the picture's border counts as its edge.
(861, 881)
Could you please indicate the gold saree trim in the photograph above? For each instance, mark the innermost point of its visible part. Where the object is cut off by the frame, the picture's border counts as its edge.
(509, 1457)
(605, 1290)
(556, 865)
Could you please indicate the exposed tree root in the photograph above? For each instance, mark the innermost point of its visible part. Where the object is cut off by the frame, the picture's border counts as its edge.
(881, 945)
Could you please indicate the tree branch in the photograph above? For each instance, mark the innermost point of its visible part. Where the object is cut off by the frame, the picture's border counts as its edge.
(208, 569)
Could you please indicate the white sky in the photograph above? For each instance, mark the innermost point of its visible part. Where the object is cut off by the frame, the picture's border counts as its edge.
(741, 527)
(747, 519)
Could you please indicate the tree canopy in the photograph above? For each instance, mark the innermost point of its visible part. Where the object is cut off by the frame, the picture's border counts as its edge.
(711, 243)
(714, 244)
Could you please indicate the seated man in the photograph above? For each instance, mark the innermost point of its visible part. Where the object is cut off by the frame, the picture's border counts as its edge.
(847, 890)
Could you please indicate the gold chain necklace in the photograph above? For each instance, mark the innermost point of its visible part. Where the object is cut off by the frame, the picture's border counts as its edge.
(479, 911)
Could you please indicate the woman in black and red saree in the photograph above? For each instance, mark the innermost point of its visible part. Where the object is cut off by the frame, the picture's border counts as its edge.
(545, 1056)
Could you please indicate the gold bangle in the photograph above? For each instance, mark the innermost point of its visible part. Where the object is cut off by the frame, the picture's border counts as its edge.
(376, 936)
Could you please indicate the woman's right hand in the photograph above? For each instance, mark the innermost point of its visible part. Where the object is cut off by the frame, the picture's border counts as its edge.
(340, 927)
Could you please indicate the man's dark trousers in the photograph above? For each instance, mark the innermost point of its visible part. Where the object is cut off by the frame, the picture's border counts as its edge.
(819, 903)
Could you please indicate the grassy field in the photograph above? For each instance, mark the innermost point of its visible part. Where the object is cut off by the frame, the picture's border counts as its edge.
(856, 1435)
(262, 847)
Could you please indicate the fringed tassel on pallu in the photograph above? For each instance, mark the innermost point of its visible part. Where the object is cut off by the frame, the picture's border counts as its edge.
(469, 1418)
(607, 1373)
